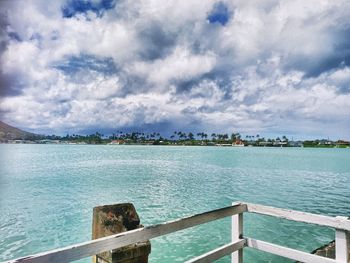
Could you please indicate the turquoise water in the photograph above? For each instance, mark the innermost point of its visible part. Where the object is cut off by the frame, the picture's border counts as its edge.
(47, 193)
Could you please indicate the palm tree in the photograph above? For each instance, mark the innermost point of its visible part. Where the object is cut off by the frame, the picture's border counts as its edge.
(181, 135)
(233, 136)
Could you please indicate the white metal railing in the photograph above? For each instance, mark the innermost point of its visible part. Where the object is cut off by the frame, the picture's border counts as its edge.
(239, 241)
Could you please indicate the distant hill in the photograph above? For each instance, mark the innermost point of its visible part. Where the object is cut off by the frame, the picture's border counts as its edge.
(8, 132)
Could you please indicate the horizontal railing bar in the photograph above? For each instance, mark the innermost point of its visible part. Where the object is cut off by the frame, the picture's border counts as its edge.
(93, 247)
(287, 252)
(219, 252)
(298, 216)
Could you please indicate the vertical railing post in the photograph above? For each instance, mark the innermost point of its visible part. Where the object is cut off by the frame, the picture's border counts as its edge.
(237, 232)
(342, 244)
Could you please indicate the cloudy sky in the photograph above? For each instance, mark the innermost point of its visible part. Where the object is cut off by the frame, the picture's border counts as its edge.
(269, 67)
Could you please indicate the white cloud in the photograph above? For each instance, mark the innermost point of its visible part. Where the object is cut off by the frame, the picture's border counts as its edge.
(180, 65)
(275, 66)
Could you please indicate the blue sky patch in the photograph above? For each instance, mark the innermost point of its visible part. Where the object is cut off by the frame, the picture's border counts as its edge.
(73, 7)
(75, 64)
(15, 36)
(178, 74)
(219, 14)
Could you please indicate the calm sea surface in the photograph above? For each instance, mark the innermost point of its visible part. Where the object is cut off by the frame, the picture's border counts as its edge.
(47, 193)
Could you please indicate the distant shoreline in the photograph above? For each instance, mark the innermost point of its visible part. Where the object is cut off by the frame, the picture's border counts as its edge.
(18, 142)
(13, 135)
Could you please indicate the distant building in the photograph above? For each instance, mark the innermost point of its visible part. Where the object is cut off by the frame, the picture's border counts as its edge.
(117, 142)
(238, 143)
(341, 143)
(47, 141)
(295, 143)
(280, 143)
(223, 144)
(325, 142)
(265, 143)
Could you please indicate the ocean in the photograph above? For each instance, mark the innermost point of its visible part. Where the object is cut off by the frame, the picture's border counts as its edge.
(47, 193)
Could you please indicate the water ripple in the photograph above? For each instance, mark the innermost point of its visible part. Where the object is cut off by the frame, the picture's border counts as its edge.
(46, 202)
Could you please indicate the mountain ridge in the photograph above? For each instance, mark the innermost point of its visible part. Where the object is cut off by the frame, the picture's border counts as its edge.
(8, 132)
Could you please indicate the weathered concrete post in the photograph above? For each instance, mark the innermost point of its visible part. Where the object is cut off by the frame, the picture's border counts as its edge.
(113, 219)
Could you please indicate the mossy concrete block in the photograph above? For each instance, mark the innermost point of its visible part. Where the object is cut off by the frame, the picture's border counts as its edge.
(114, 219)
(327, 251)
